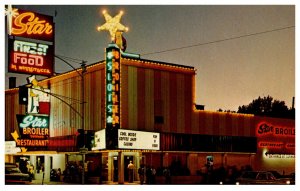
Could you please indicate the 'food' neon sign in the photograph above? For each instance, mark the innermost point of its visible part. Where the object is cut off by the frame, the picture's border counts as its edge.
(30, 57)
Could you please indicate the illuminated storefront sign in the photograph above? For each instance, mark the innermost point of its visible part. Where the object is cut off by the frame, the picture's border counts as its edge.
(113, 113)
(34, 130)
(277, 145)
(268, 129)
(32, 25)
(281, 156)
(30, 42)
(113, 87)
(38, 98)
(128, 139)
(100, 140)
(30, 57)
(275, 138)
(10, 147)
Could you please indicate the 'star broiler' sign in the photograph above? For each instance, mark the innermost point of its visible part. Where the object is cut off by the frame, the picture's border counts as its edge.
(34, 130)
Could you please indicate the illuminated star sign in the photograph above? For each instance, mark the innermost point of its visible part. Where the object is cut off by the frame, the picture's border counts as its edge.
(10, 13)
(112, 24)
(109, 119)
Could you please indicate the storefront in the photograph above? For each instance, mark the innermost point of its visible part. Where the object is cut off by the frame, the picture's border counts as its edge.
(99, 119)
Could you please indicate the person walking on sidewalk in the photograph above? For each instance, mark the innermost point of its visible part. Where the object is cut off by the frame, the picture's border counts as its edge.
(141, 173)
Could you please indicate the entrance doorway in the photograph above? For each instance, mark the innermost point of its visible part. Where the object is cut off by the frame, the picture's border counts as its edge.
(115, 169)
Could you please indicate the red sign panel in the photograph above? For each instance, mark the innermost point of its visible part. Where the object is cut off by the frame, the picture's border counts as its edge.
(33, 25)
(276, 138)
(30, 57)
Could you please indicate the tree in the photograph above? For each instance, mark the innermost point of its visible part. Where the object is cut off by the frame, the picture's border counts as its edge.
(266, 106)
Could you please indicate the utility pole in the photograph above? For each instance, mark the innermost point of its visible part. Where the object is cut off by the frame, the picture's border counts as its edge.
(83, 71)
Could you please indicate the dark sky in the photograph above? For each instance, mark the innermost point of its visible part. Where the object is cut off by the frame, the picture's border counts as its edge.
(230, 73)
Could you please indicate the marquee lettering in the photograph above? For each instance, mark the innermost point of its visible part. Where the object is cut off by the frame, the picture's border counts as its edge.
(30, 24)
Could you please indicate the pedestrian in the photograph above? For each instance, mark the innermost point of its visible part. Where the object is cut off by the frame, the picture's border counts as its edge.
(130, 169)
(31, 171)
(58, 174)
(141, 172)
(153, 173)
(148, 175)
(167, 175)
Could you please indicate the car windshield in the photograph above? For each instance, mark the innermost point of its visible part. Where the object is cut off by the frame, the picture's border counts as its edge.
(250, 175)
(12, 170)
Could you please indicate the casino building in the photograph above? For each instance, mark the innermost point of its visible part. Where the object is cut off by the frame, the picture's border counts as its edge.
(126, 108)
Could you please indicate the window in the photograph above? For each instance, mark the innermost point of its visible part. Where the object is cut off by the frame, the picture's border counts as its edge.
(189, 142)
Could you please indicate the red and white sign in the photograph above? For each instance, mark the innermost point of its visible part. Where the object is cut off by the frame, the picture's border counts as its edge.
(30, 57)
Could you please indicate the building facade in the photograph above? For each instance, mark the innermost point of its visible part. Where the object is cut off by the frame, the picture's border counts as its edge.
(153, 97)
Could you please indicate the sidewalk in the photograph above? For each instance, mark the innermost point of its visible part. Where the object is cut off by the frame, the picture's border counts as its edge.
(39, 182)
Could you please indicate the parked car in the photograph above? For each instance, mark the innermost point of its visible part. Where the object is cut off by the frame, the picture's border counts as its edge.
(13, 175)
(285, 178)
(291, 177)
(260, 177)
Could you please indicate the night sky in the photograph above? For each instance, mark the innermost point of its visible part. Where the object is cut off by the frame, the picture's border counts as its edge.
(236, 55)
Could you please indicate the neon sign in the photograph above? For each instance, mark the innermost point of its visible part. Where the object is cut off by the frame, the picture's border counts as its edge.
(32, 25)
(278, 155)
(30, 57)
(33, 121)
(30, 47)
(269, 144)
(264, 129)
(34, 130)
(113, 87)
(31, 143)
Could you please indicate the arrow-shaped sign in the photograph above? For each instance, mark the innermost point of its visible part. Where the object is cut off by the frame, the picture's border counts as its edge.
(16, 136)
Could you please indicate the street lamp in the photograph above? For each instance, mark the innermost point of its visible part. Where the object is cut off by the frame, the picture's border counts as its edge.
(83, 71)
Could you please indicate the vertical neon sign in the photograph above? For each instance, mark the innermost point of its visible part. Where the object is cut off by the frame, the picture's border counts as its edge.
(113, 69)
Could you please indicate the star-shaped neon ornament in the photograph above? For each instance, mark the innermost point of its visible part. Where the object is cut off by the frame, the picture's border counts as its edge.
(112, 24)
(10, 13)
